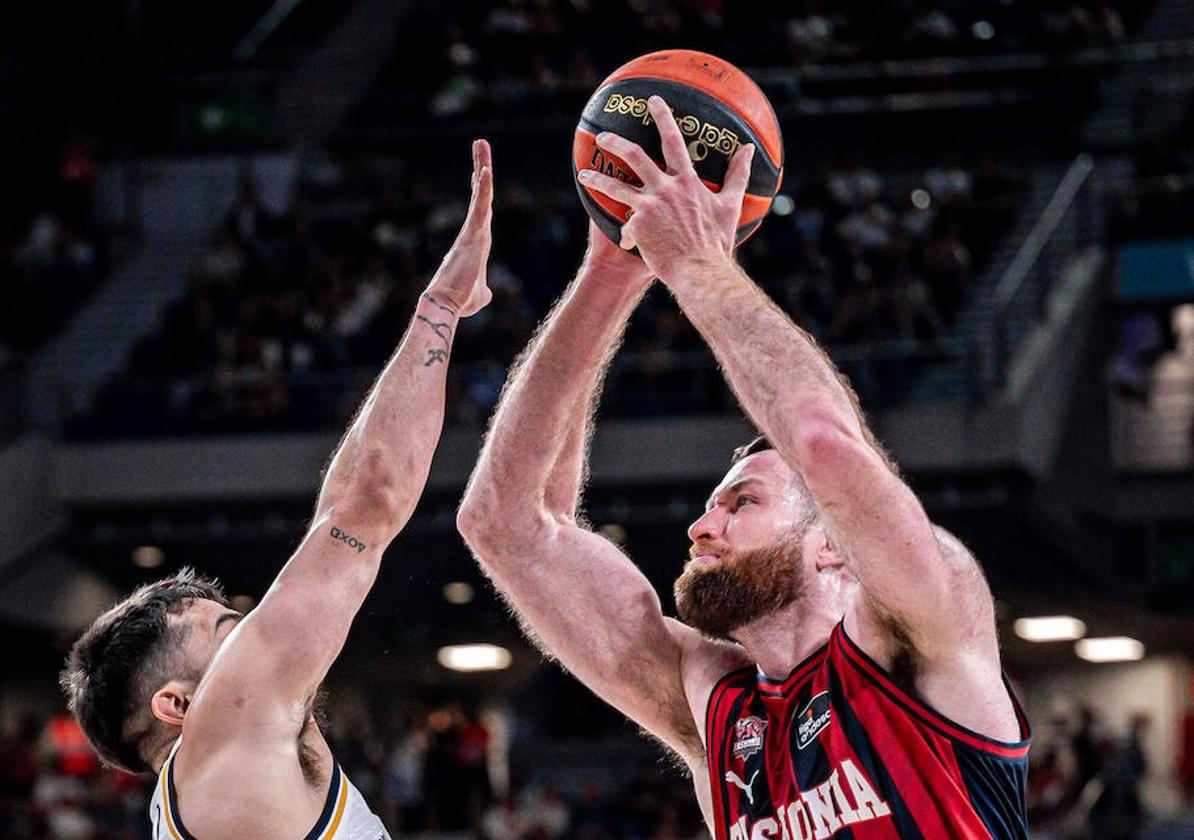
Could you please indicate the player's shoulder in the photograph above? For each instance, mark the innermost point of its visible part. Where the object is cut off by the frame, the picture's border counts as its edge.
(702, 656)
(703, 663)
(247, 789)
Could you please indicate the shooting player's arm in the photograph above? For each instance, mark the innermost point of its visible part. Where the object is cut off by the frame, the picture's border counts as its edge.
(796, 397)
(575, 592)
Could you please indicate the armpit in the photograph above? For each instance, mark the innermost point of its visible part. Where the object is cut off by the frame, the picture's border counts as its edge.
(898, 654)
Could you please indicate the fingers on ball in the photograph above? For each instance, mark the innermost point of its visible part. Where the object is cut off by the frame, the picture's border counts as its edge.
(675, 150)
(632, 153)
(738, 175)
(609, 186)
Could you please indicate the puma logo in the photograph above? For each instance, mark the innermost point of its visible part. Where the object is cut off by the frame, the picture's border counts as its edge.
(747, 787)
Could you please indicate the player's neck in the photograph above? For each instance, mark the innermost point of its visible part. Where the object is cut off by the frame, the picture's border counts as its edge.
(158, 757)
(782, 640)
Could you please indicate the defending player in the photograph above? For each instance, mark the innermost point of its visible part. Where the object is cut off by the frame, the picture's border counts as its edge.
(220, 705)
(837, 672)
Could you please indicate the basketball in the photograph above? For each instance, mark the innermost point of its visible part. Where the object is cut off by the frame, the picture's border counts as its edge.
(718, 108)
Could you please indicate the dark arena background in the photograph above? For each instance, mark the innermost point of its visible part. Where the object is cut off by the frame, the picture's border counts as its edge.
(215, 218)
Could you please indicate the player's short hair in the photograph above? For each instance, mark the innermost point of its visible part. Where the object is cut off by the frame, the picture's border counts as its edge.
(126, 655)
(759, 444)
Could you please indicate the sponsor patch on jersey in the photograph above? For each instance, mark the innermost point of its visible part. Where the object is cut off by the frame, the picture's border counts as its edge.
(812, 719)
(748, 737)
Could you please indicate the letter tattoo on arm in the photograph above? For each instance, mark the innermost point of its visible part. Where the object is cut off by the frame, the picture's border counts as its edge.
(351, 542)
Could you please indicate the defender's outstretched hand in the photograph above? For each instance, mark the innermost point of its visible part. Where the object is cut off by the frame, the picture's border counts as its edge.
(461, 278)
(675, 216)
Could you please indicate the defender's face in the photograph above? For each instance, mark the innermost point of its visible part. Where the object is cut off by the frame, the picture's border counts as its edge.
(209, 624)
(756, 503)
(205, 626)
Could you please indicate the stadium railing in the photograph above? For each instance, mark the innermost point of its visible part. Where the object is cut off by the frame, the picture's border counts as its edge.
(1066, 225)
(641, 385)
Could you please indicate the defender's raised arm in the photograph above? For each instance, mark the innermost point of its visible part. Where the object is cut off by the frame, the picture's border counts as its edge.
(221, 705)
(376, 476)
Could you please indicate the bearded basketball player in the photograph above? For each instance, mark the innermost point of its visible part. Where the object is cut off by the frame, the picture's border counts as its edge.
(836, 671)
(220, 705)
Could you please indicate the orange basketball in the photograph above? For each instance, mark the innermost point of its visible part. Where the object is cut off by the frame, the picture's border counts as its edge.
(718, 108)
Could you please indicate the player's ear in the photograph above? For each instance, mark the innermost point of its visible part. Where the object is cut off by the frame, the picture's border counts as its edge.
(170, 702)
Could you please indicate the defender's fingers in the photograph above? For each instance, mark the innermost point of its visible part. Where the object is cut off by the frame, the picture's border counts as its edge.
(609, 186)
(482, 154)
(482, 157)
(675, 150)
(738, 173)
(640, 162)
(480, 208)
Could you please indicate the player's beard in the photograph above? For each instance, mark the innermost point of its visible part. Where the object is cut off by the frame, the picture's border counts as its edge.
(740, 586)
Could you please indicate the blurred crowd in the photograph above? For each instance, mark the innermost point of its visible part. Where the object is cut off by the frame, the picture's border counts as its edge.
(51, 254)
(468, 58)
(1159, 199)
(1086, 783)
(289, 317)
(436, 774)
(46, 268)
(445, 770)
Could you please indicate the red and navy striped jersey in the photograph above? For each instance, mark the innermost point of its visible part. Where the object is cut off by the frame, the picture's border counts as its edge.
(839, 750)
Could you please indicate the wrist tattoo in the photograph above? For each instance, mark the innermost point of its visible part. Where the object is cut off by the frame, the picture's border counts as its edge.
(447, 307)
(443, 331)
(351, 542)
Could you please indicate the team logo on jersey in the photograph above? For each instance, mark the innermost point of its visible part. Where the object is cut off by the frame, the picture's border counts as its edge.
(812, 719)
(748, 737)
(845, 798)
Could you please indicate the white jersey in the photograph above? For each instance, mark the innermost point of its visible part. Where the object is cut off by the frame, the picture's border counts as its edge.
(345, 816)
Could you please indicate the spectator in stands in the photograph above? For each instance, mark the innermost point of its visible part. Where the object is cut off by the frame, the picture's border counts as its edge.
(1118, 813)
(946, 263)
(854, 186)
(949, 184)
(1088, 747)
(1047, 788)
(1185, 762)
(404, 791)
(502, 820)
(545, 813)
(932, 29)
(815, 35)
(1067, 22)
(1139, 345)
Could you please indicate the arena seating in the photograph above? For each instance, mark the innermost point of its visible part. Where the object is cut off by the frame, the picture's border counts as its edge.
(469, 60)
(862, 250)
(288, 319)
(47, 267)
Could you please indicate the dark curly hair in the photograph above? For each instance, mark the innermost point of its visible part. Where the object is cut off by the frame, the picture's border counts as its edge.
(126, 655)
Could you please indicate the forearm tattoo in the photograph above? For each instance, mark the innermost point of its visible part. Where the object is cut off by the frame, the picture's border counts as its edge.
(442, 330)
(350, 541)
